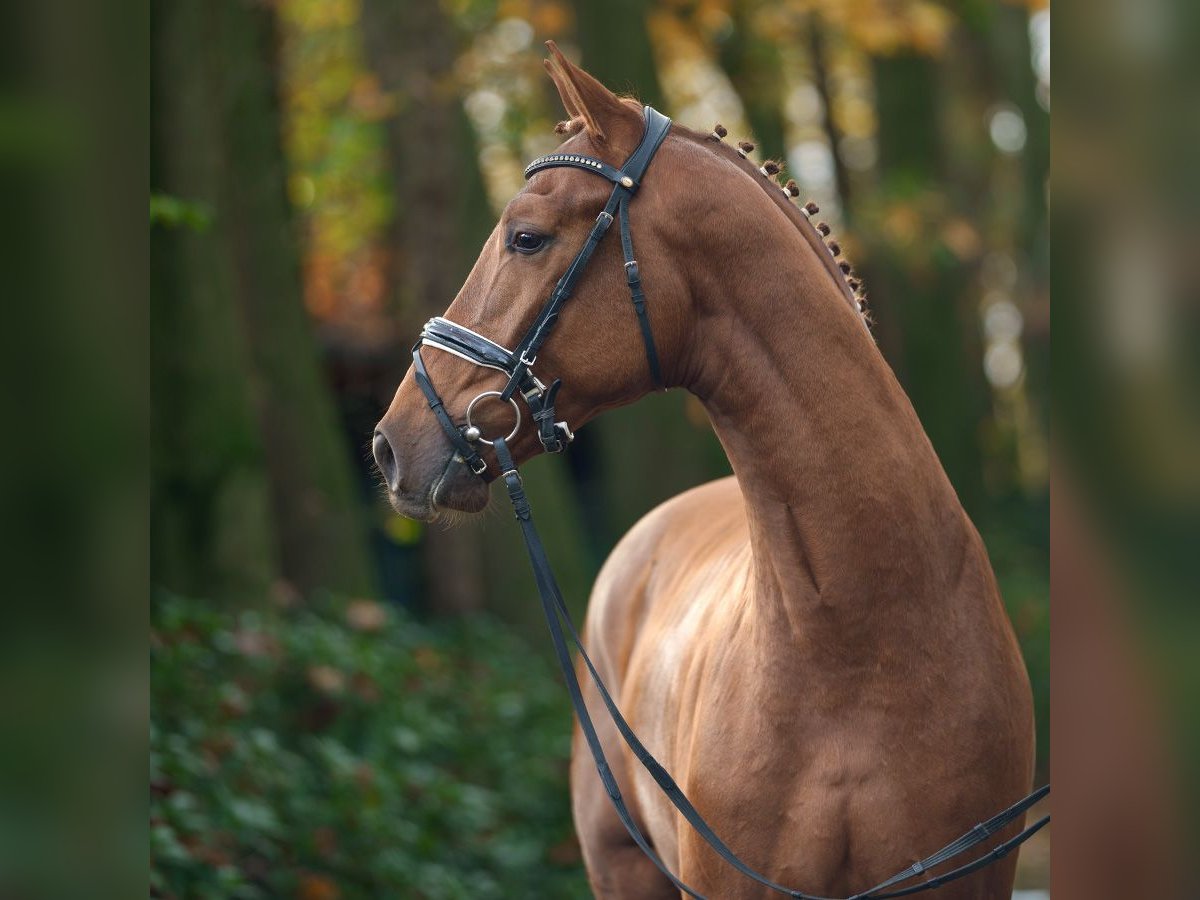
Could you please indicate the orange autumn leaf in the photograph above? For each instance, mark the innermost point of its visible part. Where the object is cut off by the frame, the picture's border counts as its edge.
(318, 887)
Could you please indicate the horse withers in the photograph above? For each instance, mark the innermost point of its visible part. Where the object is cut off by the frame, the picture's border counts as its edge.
(815, 647)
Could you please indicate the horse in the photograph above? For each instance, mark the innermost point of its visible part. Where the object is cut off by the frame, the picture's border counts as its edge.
(815, 646)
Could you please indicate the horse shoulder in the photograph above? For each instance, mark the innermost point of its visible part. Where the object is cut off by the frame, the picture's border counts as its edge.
(642, 583)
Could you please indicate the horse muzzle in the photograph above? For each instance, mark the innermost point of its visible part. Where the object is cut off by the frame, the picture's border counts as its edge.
(423, 475)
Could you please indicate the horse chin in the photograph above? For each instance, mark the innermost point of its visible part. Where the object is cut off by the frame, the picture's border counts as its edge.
(458, 490)
(454, 492)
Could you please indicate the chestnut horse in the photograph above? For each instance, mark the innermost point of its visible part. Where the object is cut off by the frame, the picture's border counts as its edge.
(815, 647)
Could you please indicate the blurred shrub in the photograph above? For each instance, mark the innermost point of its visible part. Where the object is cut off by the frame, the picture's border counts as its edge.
(345, 751)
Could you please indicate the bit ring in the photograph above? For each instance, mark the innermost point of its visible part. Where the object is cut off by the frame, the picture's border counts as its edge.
(516, 409)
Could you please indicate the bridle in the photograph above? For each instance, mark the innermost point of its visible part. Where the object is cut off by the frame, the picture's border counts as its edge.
(517, 364)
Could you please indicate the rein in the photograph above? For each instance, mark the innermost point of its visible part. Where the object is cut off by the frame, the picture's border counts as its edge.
(517, 365)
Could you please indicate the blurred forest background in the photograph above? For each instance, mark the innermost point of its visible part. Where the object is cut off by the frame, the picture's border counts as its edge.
(329, 720)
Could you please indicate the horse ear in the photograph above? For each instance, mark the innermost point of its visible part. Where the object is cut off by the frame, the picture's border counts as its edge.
(604, 115)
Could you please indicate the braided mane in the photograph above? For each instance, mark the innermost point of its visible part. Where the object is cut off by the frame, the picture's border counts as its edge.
(829, 253)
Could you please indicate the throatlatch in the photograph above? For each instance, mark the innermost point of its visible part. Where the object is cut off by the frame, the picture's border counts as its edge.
(517, 364)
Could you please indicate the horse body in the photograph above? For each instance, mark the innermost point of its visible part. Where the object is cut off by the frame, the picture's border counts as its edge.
(717, 686)
(815, 648)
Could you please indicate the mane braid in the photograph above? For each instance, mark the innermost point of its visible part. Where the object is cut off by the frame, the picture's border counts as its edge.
(839, 270)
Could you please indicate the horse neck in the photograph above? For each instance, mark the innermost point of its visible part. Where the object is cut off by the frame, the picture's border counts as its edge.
(856, 534)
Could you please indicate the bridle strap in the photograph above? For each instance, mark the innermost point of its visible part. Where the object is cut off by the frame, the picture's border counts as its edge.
(574, 161)
(527, 350)
(655, 129)
(557, 616)
(465, 449)
(633, 276)
(626, 181)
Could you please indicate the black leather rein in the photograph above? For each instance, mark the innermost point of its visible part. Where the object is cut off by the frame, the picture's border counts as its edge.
(517, 365)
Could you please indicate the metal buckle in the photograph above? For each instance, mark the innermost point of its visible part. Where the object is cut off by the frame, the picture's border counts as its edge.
(536, 391)
(482, 466)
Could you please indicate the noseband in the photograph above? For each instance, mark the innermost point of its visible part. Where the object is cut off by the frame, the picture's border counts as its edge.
(518, 363)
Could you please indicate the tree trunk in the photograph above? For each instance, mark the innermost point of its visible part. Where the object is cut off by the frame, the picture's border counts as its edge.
(616, 47)
(931, 301)
(820, 68)
(240, 398)
(442, 219)
(211, 528)
(613, 484)
(754, 67)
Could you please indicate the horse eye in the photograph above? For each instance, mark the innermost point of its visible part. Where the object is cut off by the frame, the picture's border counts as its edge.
(527, 242)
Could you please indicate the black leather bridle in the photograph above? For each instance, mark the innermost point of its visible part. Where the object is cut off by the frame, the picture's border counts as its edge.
(517, 364)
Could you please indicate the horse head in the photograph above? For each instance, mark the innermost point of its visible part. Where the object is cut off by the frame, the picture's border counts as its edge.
(597, 346)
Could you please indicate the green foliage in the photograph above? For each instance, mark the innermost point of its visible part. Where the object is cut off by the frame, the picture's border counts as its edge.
(172, 212)
(348, 751)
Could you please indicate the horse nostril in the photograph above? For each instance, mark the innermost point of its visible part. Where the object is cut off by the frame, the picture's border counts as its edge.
(386, 460)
